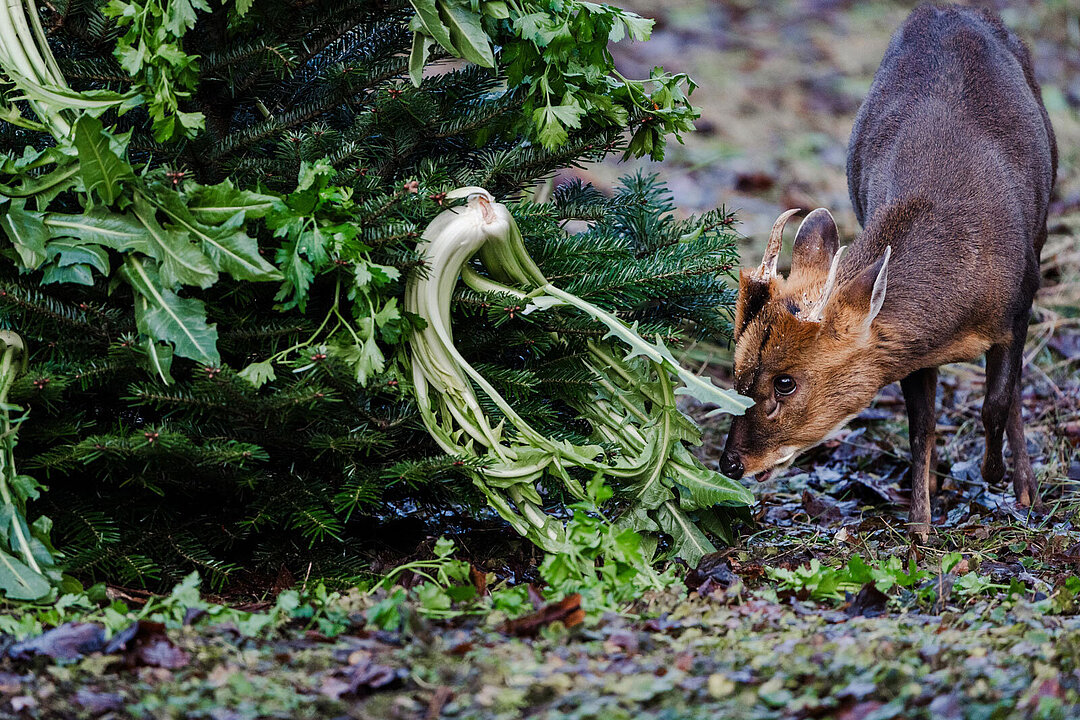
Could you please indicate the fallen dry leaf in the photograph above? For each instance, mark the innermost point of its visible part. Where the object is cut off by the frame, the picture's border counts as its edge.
(70, 641)
(567, 611)
(145, 644)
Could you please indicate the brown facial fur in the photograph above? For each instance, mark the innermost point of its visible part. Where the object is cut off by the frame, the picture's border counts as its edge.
(834, 364)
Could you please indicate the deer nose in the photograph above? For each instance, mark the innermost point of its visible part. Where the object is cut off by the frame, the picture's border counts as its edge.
(731, 465)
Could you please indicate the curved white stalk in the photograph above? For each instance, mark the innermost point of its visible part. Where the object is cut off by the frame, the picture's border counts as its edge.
(648, 442)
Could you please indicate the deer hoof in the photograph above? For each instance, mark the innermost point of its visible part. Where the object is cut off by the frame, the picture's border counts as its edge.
(993, 470)
(919, 533)
(1025, 488)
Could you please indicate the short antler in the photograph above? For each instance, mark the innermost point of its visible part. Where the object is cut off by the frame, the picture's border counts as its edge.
(767, 270)
(817, 310)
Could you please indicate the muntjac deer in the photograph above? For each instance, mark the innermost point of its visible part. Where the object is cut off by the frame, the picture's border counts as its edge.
(950, 167)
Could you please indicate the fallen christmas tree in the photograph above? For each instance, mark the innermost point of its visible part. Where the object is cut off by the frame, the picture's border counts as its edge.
(209, 221)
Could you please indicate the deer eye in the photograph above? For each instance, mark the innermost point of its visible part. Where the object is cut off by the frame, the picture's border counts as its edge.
(784, 384)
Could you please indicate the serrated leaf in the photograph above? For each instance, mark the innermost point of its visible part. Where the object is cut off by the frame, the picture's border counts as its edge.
(43, 188)
(298, 275)
(101, 227)
(213, 204)
(70, 252)
(649, 489)
(101, 169)
(180, 15)
(706, 488)
(242, 7)
(688, 542)
(365, 359)
(163, 315)
(259, 373)
(227, 244)
(181, 262)
(468, 37)
(26, 231)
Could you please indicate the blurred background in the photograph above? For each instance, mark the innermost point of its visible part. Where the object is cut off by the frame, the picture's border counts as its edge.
(780, 82)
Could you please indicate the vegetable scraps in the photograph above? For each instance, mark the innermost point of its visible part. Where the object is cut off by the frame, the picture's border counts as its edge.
(640, 436)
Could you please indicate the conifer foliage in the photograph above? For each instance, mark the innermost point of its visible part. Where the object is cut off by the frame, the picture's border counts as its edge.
(208, 215)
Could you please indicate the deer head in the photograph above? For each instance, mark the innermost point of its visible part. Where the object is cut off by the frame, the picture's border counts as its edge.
(804, 346)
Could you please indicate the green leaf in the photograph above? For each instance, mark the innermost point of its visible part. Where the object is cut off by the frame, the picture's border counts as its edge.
(26, 231)
(688, 542)
(228, 244)
(43, 188)
(67, 252)
(157, 359)
(496, 9)
(259, 373)
(366, 358)
(71, 274)
(163, 315)
(181, 261)
(314, 174)
(706, 487)
(298, 275)
(470, 41)
(213, 204)
(696, 386)
(19, 582)
(102, 170)
(102, 227)
(428, 15)
(418, 56)
(180, 14)
(444, 547)
(242, 7)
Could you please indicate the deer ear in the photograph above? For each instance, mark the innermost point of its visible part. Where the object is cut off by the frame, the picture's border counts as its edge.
(753, 295)
(866, 293)
(815, 244)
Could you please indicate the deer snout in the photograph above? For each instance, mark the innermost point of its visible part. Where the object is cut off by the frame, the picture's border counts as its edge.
(731, 465)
